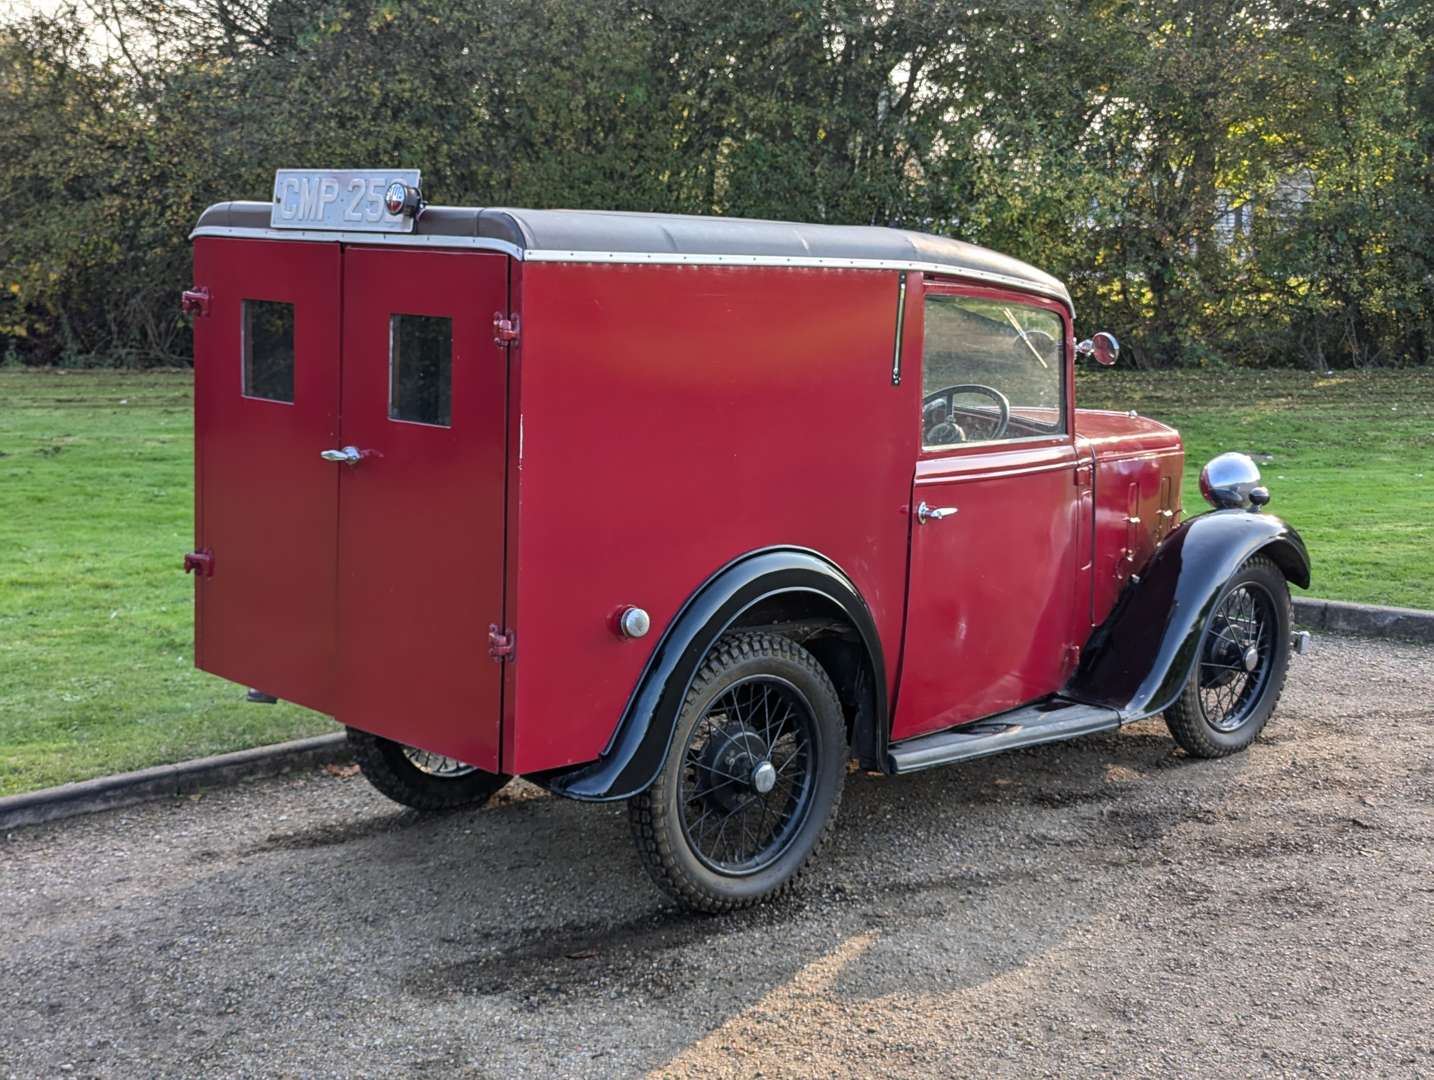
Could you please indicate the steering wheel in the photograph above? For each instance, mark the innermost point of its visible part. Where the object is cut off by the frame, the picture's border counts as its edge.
(938, 424)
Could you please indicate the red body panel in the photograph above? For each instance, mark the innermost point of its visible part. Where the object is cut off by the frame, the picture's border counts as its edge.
(1137, 496)
(266, 504)
(421, 521)
(674, 418)
(649, 424)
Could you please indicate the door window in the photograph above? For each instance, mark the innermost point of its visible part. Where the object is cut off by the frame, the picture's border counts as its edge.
(268, 350)
(990, 370)
(420, 365)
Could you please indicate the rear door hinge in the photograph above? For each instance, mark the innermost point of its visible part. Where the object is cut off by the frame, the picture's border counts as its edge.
(194, 301)
(500, 643)
(505, 329)
(200, 563)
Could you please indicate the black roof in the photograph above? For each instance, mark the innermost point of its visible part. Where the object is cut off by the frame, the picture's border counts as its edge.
(570, 234)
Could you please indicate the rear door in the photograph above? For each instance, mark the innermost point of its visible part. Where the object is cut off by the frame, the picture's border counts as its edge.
(266, 386)
(421, 515)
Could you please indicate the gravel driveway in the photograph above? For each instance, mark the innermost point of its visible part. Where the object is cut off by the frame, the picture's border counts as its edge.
(1107, 906)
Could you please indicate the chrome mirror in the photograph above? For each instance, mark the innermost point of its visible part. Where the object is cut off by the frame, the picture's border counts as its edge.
(1103, 347)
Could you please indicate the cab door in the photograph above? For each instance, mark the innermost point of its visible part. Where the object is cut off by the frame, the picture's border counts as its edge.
(992, 585)
(421, 467)
(266, 400)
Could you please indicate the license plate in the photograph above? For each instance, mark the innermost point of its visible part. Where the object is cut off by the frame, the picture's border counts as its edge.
(351, 200)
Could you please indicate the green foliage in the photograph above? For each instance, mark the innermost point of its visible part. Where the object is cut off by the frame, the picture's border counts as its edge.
(1112, 142)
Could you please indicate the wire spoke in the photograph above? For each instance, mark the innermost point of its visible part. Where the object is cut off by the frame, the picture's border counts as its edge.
(732, 827)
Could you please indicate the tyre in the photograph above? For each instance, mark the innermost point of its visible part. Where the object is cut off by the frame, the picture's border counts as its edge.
(752, 780)
(418, 778)
(1241, 665)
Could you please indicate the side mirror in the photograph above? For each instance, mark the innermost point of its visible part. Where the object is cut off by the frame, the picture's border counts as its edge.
(1103, 347)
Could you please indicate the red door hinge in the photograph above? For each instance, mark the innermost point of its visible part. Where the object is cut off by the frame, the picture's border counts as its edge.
(505, 329)
(500, 643)
(200, 562)
(194, 301)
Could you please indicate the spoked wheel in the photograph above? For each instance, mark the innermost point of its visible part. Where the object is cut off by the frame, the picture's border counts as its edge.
(432, 764)
(752, 780)
(419, 778)
(1240, 670)
(746, 782)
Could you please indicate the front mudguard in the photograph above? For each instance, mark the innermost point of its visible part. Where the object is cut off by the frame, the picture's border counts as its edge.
(1139, 659)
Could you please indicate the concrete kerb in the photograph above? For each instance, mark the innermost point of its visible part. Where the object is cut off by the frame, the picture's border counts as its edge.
(1369, 620)
(167, 781)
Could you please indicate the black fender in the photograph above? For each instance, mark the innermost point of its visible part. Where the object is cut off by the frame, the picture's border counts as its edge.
(638, 748)
(1139, 659)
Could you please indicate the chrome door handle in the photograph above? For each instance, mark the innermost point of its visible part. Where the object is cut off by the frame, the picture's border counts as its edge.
(349, 455)
(926, 513)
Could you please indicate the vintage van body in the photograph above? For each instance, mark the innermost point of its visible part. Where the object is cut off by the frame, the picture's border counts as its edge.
(689, 511)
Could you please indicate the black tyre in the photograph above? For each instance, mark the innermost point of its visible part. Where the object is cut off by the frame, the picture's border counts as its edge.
(1241, 666)
(418, 778)
(752, 780)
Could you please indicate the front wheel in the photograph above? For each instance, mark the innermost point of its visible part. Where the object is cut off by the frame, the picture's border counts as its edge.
(419, 778)
(752, 780)
(1241, 665)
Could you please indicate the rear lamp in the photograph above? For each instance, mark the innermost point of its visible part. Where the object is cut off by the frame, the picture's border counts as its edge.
(400, 200)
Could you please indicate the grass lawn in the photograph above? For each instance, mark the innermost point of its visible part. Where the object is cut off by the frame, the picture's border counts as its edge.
(1352, 468)
(96, 657)
(95, 514)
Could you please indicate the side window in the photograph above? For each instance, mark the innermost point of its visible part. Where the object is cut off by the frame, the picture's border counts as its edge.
(990, 369)
(420, 369)
(269, 350)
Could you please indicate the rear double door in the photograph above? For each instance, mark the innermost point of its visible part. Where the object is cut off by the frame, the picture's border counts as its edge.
(363, 590)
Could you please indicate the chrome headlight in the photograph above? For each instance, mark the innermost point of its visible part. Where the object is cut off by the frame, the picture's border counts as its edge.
(1232, 482)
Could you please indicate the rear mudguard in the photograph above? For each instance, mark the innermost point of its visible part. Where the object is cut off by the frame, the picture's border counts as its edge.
(639, 746)
(1139, 659)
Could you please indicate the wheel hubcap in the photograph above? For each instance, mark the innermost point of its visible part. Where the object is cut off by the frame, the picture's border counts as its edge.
(764, 778)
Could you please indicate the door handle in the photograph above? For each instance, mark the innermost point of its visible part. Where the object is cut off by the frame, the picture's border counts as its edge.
(926, 513)
(349, 455)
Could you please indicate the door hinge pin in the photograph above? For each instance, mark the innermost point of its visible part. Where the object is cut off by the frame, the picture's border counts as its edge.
(500, 643)
(505, 329)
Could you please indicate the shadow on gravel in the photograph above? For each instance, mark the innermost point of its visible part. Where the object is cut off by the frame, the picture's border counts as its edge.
(321, 836)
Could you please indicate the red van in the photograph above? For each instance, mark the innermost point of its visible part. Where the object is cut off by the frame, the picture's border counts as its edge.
(692, 511)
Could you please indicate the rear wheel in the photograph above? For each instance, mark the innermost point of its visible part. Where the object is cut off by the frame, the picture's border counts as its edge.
(752, 780)
(1241, 666)
(419, 778)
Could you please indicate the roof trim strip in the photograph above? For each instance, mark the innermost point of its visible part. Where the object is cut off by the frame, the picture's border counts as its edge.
(381, 239)
(483, 243)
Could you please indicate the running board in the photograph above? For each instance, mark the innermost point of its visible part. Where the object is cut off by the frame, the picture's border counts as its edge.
(1046, 721)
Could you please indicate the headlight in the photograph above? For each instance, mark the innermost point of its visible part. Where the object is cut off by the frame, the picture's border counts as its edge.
(1232, 482)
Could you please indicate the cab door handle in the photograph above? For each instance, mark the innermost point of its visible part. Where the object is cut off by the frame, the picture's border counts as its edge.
(349, 455)
(926, 513)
